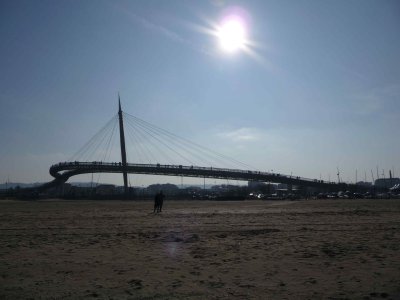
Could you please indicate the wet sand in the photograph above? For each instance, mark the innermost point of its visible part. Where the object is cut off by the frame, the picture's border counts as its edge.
(317, 249)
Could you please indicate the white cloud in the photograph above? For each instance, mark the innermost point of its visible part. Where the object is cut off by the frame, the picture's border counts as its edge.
(242, 134)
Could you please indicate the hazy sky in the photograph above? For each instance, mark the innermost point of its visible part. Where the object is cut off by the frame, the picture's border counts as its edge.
(317, 88)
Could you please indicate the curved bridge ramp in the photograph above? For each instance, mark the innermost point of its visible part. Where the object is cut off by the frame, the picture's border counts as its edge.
(63, 171)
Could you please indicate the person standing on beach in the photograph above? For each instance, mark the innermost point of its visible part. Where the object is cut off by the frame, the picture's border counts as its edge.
(156, 203)
(161, 201)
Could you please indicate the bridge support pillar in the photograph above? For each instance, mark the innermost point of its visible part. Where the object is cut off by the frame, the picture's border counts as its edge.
(123, 150)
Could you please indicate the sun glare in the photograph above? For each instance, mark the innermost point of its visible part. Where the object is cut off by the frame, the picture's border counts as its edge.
(232, 35)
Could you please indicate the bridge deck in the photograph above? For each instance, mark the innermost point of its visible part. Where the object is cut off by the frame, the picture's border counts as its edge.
(62, 171)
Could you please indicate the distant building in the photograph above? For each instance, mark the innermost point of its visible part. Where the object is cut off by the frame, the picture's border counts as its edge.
(167, 188)
(256, 185)
(282, 186)
(224, 188)
(105, 189)
(364, 183)
(266, 188)
(387, 182)
(59, 190)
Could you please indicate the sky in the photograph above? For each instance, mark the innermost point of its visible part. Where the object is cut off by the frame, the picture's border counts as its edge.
(316, 86)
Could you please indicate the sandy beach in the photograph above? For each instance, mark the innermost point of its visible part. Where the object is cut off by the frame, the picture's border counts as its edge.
(315, 249)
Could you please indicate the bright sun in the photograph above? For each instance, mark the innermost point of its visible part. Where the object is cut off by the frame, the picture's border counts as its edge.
(232, 35)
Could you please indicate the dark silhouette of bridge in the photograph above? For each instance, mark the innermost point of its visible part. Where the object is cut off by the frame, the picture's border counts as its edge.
(64, 170)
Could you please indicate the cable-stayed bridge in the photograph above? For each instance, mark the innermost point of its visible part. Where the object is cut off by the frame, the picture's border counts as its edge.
(152, 144)
(157, 151)
(63, 171)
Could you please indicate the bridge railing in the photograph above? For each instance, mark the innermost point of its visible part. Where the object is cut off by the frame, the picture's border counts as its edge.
(72, 165)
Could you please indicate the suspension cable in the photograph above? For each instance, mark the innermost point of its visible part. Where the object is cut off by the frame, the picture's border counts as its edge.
(92, 142)
(197, 147)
